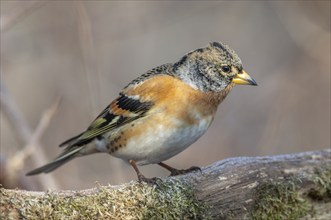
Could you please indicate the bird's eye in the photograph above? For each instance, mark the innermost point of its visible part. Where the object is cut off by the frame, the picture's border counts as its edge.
(226, 69)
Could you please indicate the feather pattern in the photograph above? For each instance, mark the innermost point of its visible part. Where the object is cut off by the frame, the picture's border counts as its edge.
(112, 117)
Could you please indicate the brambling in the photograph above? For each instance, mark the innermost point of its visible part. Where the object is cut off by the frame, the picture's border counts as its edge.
(162, 112)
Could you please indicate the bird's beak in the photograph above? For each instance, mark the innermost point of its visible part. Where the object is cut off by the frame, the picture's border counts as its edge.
(243, 78)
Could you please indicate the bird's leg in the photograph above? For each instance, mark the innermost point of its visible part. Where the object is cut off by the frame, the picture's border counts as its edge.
(141, 177)
(175, 172)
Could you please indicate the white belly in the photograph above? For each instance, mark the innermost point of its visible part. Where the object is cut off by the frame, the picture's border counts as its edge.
(160, 143)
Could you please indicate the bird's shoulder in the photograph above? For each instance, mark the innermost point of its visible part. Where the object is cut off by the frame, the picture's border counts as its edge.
(165, 69)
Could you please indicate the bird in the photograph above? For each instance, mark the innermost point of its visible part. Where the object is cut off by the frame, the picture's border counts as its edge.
(160, 113)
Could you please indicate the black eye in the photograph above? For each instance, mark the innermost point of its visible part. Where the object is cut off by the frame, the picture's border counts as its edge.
(226, 69)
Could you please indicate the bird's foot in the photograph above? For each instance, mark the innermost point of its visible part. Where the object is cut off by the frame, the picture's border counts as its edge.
(141, 177)
(149, 181)
(175, 172)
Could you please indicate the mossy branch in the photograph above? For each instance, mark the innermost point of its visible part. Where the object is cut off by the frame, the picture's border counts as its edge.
(275, 187)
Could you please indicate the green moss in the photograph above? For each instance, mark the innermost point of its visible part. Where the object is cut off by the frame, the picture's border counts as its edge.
(177, 197)
(282, 200)
(279, 200)
(322, 189)
(167, 200)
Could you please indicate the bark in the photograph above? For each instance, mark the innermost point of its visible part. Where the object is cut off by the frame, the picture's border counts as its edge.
(295, 186)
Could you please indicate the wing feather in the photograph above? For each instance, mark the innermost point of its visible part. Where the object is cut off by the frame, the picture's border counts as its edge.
(121, 111)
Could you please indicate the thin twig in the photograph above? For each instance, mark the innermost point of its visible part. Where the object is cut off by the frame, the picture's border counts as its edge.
(13, 18)
(16, 163)
(88, 53)
(25, 135)
(16, 119)
(14, 116)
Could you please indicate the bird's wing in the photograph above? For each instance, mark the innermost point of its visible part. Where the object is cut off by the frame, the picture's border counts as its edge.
(121, 111)
(126, 108)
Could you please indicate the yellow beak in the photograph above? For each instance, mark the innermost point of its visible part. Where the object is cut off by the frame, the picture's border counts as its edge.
(243, 78)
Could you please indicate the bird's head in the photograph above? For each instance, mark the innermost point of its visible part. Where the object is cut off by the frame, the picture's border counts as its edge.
(212, 68)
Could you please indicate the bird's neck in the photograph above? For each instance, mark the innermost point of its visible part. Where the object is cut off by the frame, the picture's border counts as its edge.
(215, 98)
(192, 74)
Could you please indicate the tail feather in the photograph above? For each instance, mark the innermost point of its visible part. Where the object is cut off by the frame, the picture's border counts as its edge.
(71, 141)
(59, 161)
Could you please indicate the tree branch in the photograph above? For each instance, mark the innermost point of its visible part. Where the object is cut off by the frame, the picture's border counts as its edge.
(275, 187)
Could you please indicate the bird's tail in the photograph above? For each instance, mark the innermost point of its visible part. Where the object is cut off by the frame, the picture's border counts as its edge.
(69, 154)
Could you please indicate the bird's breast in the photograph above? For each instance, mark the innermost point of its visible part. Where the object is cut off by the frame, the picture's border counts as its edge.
(160, 138)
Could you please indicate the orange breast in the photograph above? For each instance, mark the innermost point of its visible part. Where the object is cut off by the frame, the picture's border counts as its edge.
(175, 97)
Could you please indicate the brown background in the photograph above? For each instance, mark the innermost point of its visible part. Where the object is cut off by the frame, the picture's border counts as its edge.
(86, 52)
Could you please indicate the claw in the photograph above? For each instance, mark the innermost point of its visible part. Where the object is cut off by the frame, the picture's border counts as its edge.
(149, 181)
(141, 177)
(175, 172)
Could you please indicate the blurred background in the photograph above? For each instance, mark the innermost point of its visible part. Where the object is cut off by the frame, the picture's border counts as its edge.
(86, 52)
